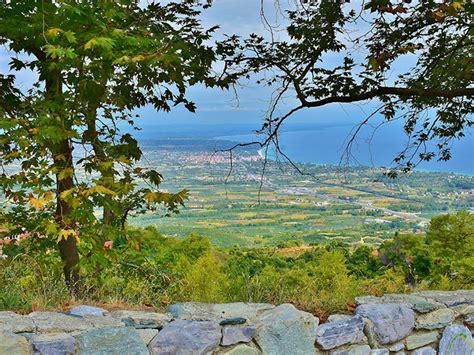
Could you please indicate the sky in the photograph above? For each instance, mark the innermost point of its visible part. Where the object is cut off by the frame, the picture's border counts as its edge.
(215, 106)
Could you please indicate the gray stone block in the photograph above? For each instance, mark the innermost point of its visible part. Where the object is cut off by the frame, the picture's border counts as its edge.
(84, 310)
(13, 344)
(53, 344)
(183, 337)
(427, 350)
(341, 332)
(141, 319)
(234, 335)
(51, 322)
(15, 323)
(392, 322)
(435, 320)
(286, 330)
(111, 341)
(417, 340)
(456, 340)
(217, 312)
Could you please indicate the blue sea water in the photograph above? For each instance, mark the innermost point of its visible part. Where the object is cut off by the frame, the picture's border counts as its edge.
(326, 145)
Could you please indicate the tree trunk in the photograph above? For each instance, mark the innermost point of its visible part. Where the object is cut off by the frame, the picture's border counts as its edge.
(62, 158)
(107, 173)
(67, 247)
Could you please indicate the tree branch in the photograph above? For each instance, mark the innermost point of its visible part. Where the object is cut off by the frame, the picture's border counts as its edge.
(431, 92)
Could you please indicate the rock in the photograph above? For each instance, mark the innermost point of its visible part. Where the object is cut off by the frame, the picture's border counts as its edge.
(418, 340)
(233, 321)
(182, 337)
(217, 312)
(83, 310)
(106, 321)
(147, 335)
(107, 341)
(53, 344)
(368, 299)
(449, 298)
(392, 322)
(13, 344)
(286, 330)
(396, 347)
(12, 322)
(141, 319)
(241, 349)
(346, 331)
(463, 309)
(456, 340)
(417, 303)
(51, 322)
(234, 335)
(427, 350)
(435, 320)
(469, 320)
(380, 352)
(337, 317)
(358, 350)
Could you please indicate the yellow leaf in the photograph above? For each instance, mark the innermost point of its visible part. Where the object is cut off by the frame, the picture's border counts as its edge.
(64, 234)
(98, 189)
(457, 6)
(89, 44)
(65, 173)
(36, 203)
(65, 194)
(53, 32)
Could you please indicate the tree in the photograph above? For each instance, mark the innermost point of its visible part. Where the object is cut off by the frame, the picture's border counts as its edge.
(93, 64)
(450, 239)
(335, 53)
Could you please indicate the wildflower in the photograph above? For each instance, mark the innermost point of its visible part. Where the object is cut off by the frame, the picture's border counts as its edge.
(108, 244)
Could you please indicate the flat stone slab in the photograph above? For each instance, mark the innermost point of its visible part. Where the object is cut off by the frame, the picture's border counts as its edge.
(141, 319)
(183, 337)
(418, 340)
(469, 320)
(435, 320)
(241, 349)
(456, 340)
(84, 310)
(217, 312)
(449, 298)
(286, 330)
(234, 335)
(106, 321)
(53, 344)
(357, 350)
(427, 350)
(51, 322)
(341, 332)
(147, 334)
(108, 341)
(15, 323)
(417, 303)
(392, 322)
(337, 317)
(13, 344)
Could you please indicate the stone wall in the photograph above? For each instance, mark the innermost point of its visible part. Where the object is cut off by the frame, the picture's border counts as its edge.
(425, 323)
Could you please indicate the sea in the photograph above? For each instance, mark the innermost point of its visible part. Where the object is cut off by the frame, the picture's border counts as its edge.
(325, 143)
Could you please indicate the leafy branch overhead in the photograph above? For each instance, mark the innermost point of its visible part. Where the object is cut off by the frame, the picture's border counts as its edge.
(336, 53)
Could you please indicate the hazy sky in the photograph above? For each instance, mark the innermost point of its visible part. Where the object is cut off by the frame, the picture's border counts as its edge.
(216, 106)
